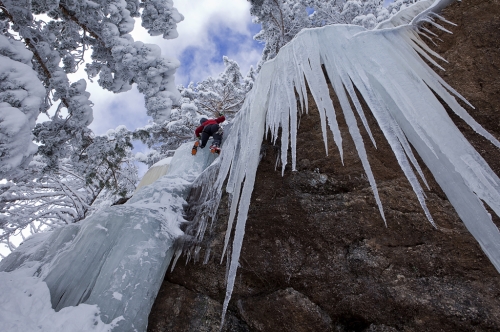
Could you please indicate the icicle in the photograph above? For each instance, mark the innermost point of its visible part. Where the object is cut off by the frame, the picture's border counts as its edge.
(355, 134)
(284, 123)
(292, 106)
(409, 153)
(436, 83)
(352, 93)
(196, 255)
(424, 46)
(405, 166)
(443, 19)
(423, 53)
(386, 66)
(319, 88)
(207, 256)
(177, 254)
(428, 31)
(429, 38)
(232, 214)
(438, 26)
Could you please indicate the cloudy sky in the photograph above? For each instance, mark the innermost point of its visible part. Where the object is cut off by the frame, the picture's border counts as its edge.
(211, 29)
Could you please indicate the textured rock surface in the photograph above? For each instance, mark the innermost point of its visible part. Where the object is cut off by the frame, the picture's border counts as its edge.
(316, 254)
(184, 310)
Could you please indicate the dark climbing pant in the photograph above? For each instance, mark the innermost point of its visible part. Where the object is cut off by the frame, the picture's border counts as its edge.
(211, 130)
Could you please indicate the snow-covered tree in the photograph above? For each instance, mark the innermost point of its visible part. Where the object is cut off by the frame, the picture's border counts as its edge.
(224, 94)
(281, 20)
(21, 96)
(164, 138)
(325, 12)
(59, 43)
(366, 13)
(41, 42)
(44, 197)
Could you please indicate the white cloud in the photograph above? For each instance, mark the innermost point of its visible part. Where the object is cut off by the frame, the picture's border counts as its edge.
(112, 110)
(206, 17)
(201, 17)
(204, 20)
(206, 23)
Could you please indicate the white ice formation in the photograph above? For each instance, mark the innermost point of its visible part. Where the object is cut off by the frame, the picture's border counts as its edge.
(155, 172)
(386, 65)
(118, 257)
(103, 273)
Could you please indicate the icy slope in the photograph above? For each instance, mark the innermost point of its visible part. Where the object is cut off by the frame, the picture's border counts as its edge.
(155, 172)
(386, 66)
(106, 270)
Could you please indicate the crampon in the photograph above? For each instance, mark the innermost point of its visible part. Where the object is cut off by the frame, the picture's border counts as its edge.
(215, 149)
(195, 147)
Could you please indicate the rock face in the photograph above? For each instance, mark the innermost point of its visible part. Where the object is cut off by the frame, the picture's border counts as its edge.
(316, 254)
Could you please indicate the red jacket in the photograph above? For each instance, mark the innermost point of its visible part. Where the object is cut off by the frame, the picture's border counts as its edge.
(198, 130)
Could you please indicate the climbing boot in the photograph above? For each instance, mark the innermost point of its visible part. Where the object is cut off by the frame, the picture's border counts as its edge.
(195, 148)
(215, 149)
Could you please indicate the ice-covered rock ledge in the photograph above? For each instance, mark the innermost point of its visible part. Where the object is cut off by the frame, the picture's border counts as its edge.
(104, 273)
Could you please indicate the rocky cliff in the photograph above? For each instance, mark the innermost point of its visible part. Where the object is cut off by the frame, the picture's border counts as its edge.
(316, 254)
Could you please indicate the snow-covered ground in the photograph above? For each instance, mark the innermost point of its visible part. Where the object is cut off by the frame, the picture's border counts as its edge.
(25, 306)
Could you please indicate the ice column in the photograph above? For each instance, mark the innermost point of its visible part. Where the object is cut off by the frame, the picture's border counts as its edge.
(117, 258)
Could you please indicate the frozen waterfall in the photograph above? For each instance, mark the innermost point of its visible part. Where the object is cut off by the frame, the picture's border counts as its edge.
(386, 65)
(111, 265)
(104, 273)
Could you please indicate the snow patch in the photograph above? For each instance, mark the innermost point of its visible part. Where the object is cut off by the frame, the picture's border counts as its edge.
(117, 296)
(165, 161)
(25, 306)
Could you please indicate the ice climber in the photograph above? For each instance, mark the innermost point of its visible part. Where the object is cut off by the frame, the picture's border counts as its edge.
(207, 128)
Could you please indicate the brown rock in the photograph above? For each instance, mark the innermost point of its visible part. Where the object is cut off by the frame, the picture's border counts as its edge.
(179, 309)
(284, 310)
(316, 254)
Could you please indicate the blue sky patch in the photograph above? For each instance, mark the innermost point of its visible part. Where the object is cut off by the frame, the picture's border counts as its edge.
(222, 41)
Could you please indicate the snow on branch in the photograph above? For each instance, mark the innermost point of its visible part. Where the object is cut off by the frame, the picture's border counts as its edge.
(21, 96)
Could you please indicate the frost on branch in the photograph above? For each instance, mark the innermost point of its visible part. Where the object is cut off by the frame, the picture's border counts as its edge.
(224, 93)
(166, 137)
(47, 196)
(281, 20)
(160, 17)
(119, 61)
(60, 42)
(387, 66)
(21, 96)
